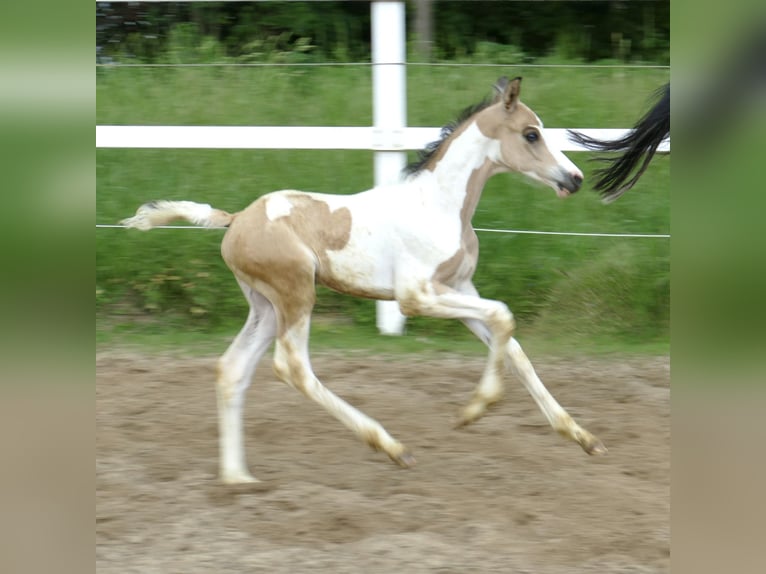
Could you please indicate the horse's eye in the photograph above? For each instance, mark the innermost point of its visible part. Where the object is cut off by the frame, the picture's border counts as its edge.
(531, 137)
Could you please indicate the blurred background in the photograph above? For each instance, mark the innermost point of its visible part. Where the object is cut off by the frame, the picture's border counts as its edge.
(585, 65)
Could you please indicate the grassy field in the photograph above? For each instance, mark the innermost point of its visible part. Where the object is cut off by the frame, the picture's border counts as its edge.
(604, 293)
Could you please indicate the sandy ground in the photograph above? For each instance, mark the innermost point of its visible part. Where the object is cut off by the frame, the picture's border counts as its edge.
(506, 494)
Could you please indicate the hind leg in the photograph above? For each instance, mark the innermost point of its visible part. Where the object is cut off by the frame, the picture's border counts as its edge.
(235, 371)
(291, 364)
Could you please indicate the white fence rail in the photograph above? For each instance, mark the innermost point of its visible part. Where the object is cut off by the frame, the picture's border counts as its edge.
(304, 137)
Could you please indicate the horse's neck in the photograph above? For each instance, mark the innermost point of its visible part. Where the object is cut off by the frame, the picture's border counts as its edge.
(458, 178)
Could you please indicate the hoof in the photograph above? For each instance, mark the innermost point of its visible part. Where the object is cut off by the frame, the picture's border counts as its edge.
(473, 412)
(593, 446)
(405, 460)
(460, 423)
(238, 478)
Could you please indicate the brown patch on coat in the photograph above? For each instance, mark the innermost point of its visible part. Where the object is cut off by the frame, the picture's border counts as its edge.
(281, 258)
(462, 264)
(316, 225)
(324, 230)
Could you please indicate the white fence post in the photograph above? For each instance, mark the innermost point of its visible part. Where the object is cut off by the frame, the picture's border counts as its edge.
(389, 89)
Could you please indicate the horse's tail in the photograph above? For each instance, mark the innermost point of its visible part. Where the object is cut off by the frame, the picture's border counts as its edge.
(163, 212)
(642, 141)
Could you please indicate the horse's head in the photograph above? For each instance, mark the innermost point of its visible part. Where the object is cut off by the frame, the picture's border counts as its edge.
(523, 147)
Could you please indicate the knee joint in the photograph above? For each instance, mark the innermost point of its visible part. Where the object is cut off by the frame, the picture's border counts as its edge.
(501, 320)
(408, 305)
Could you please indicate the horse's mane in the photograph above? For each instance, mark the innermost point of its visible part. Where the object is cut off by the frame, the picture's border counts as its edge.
(425, 155)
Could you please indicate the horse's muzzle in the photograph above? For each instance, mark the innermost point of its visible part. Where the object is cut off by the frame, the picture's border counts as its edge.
(574, 181)
(569, 185)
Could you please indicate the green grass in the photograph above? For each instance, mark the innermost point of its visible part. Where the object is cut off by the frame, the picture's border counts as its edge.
(176, 335)
(604, 293)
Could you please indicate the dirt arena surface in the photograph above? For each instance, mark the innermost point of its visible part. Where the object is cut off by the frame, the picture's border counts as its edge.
(506, 494)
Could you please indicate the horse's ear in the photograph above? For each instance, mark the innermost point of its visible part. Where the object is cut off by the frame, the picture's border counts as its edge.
(511, 93)
(500, 85)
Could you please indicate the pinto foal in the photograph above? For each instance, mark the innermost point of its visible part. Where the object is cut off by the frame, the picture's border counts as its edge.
(412, 242)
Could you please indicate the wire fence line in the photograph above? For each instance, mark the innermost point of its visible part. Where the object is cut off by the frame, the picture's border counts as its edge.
(370, 64)
(512, 231)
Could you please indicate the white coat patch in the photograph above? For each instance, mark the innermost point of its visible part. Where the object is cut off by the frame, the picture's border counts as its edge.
(278, 206)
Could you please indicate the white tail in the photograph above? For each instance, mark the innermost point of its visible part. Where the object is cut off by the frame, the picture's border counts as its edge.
(163, 212)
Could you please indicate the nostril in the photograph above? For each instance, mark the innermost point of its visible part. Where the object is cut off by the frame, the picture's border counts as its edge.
(577, 179)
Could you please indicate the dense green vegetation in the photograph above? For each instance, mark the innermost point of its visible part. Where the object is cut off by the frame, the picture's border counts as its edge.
(319, 31)
(599, 289)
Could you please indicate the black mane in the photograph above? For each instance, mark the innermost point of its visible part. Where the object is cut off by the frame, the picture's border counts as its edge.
(425, 155)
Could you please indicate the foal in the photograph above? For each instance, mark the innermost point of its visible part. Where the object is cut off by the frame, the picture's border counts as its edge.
(412, 242)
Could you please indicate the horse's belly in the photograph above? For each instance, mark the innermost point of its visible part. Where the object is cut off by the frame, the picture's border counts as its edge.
(357, 272)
